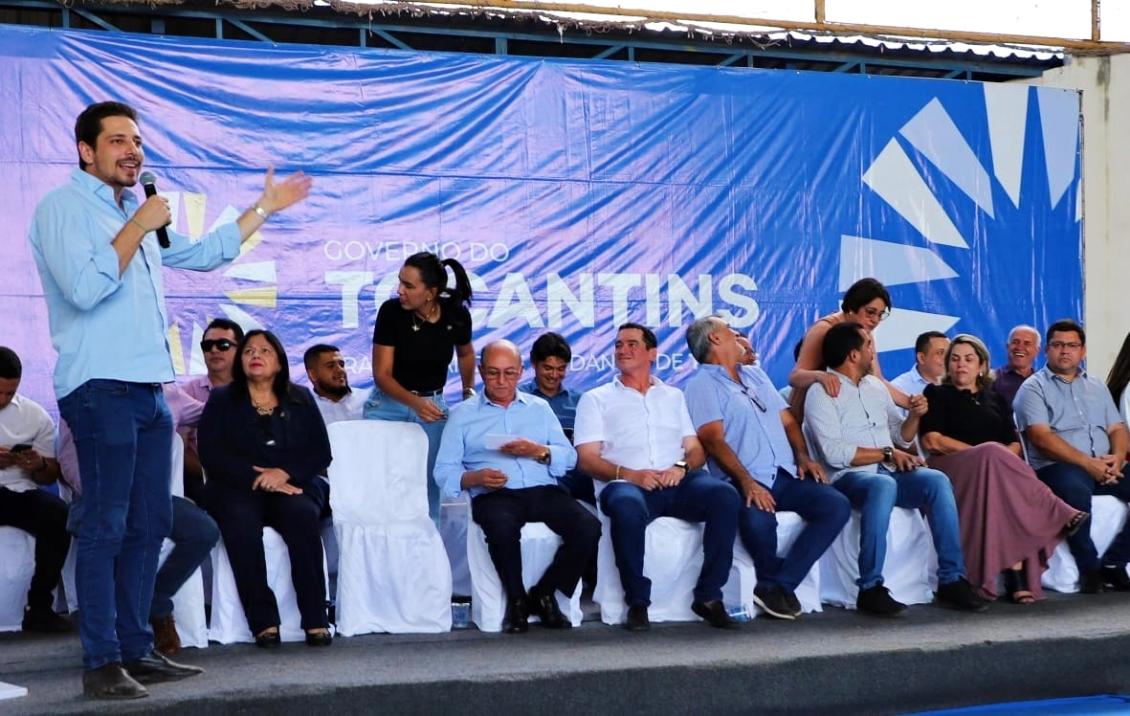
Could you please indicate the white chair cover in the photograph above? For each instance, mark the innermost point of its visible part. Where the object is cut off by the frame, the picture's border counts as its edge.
(738, 591)
(488, 598)
(188, 602)
(229, 624)
(672, 560)
(1108, 515)
(16, 569)
(393, 573)
(910, 569)
(453, 519)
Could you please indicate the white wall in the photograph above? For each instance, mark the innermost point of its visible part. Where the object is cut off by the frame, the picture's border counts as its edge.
(1105, 82)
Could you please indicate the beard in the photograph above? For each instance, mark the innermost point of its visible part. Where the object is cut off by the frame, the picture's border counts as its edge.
(338, 392)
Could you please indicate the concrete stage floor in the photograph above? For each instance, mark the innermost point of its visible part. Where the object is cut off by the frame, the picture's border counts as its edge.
(838, 661)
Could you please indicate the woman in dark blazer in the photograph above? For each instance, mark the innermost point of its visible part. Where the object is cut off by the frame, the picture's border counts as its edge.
(263, 446)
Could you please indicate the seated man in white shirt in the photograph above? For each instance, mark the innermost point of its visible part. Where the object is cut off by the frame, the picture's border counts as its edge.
(635, 434)
(325, 367)
(27, 460)
(929, 364)
(855, 434)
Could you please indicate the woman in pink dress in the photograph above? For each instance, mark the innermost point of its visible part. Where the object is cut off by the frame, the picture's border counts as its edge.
(1010, 521)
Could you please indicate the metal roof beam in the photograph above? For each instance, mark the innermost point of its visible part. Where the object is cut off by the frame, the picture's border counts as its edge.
(386, 31)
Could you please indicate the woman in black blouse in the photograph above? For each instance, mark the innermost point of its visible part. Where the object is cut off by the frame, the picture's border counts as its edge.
(1010, 521)
(263, 446)
(414, 338)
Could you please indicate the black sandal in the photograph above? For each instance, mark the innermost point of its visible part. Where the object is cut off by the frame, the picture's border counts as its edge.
(1016, 586)
(1076, 522)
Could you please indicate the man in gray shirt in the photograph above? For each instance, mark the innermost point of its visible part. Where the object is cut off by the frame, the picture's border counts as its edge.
(1077, 444)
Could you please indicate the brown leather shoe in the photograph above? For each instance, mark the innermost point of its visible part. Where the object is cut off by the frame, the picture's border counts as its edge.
(165, 637)
(111, 682)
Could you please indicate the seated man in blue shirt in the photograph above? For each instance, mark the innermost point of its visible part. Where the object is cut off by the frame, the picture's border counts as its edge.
(550, 356)
(507, 449)
(1078, 448)
(855, 434)
(752, 439)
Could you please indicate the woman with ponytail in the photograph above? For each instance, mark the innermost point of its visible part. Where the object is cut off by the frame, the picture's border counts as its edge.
(414, 339)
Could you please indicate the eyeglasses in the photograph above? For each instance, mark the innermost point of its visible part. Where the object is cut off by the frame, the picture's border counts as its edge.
(220, 344)
(754, 399)
(872, 312)
(507, 375)
(1060, 345)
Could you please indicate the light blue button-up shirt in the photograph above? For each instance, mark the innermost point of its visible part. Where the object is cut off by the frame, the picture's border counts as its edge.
(754, 432)
(104, 325)
(463, 446)
(1080, 411)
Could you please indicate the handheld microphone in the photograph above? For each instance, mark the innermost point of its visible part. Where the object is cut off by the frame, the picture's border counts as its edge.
(149, 183)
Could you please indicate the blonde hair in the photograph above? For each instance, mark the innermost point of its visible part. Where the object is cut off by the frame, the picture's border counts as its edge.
(985, 375)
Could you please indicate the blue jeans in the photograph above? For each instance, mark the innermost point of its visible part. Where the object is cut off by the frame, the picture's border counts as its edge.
(825, 512)
(875, 494)
(381, 407)
(1075, 487)
(194, 534)
(699, 497)
(123, 437)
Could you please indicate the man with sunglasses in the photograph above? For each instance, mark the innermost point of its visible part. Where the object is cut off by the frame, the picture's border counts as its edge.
(507, 450)
(221, 338)
(752, 439)
(1077, 446)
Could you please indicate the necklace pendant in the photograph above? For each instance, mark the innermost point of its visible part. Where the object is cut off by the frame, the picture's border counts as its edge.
(415, 328)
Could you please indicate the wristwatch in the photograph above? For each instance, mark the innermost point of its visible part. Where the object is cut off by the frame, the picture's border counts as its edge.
(888, 454)
(683, 464)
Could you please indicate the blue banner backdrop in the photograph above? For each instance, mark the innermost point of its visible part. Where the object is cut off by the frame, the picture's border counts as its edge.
(579, 194)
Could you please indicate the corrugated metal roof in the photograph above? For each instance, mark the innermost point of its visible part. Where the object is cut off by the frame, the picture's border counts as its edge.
(760, 36)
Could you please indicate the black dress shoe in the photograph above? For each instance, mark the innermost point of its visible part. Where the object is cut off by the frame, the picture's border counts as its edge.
(637, 618)
(45, 620)
(545, 607)
(877, 601)
(1116, 577)
(268, 640)
(518, 616)
(155, 667)
(319, 638)
(111, 682)
(714, 613)
(960, 595)
(1092, 582)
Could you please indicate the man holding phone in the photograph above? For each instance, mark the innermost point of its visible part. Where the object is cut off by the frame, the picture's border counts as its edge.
(27, 460)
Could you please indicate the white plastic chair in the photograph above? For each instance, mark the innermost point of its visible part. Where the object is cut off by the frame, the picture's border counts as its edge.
(453, 519)
(393, 572)
(488, 598)
(672, 561)
(229, 623)
(909, 570)
(738, 591)
(188, 602)
(16, 570)
(1108, 515)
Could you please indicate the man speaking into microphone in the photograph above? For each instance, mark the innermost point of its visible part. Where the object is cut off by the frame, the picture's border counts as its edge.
(100, 263)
